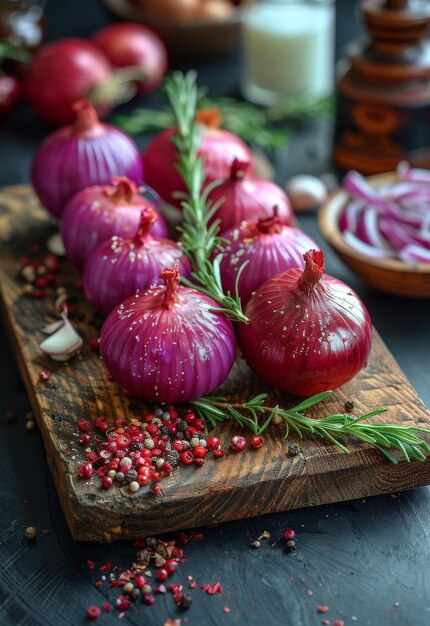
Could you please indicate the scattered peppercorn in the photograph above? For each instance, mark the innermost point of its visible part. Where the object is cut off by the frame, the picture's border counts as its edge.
(44, 375)
(322, 608)
(349, 405)
(93, 612)
(291, 545)
(186, 600)
(294, 449)
(31, 533)
(289, 534)
(257, 442)
(30, 425)
(238, 443)
(255, 544)
(10, 416)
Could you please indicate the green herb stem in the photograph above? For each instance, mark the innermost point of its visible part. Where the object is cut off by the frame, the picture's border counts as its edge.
(335, 428)
(199, 238)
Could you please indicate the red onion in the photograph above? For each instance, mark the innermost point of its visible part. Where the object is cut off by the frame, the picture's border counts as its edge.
(385, 222)
(99, 212)
(248, 198)
(218, 148)
(307, 332)
(129, 44)
(168, 344)
(269, 246)
(61, 73)
(81, 155)
(122, 266)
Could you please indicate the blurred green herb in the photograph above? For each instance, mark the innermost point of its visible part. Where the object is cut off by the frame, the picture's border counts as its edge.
(12, 52)
(260, 127)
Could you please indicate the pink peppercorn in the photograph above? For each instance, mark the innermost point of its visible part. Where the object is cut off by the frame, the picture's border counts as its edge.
(167, 468)
(123, 603)
(84, 425)
(289, 534)
(93, 612)
(257, 442)
(106, 482)
(218, 453)
(338, 622)
(199, 462)
(171, 566)
(162, 574)
(86, 470)
(148, 598)
(139, 581)
(85, 439)
(238, 443)
(44, 375)
(200, 452)
(178, 445)
(213, 443)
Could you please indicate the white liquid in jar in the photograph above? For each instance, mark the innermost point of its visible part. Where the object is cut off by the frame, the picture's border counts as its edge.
(288, 50)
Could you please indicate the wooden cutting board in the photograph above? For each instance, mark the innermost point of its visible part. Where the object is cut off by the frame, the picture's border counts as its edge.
(235, 487)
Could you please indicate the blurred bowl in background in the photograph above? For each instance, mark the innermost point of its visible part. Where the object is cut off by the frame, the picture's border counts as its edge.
(203, 37)
(386, 275)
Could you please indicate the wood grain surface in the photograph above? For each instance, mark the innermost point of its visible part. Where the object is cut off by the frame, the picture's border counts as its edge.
(237, 487)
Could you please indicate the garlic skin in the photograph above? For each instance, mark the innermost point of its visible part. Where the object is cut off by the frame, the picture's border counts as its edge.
(305, 192)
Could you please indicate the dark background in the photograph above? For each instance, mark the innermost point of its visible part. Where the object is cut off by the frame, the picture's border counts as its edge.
(368, 560)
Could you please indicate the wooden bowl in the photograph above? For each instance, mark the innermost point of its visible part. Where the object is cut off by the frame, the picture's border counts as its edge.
(208, 38)
(387, 275)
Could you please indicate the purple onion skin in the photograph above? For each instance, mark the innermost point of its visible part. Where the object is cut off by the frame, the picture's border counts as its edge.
(121, 267)
(67, 162)
(168, 355)
(91, 217)
(305, 343)
(267, 254)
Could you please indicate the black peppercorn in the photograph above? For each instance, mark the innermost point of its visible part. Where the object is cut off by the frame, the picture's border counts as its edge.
(186, 600)
(151, 542)
(293, 449)
(131, 476)
(349, 405)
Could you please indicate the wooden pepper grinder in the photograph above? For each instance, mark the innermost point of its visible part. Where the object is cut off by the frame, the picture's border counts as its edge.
(383, 92)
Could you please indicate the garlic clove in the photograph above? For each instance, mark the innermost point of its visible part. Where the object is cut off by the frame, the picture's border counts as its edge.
(48, 329)
(62, 344)
(55, 245)
(306, 192)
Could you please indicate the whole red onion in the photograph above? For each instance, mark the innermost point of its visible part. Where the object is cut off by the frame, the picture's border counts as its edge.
(245, 197)
(128, 44)
(168, 344)
(122, 266)
(307, 332)
(100, 212)
(61, 73)
(218, 149)
(81, 155)
(269, 246)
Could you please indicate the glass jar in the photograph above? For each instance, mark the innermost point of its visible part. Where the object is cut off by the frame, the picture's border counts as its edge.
(288, 49)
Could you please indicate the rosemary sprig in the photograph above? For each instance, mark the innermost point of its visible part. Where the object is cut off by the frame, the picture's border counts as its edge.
(260, 127)
(198, 237)
(335, 428)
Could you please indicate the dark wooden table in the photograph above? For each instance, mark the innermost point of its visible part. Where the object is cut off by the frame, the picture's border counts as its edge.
(368, 560)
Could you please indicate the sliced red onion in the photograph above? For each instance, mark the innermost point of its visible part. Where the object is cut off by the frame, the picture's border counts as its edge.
(391, 217)
(123, 266)
(364, 248)
(414, 254)
(98, 213)
(168, 343)
(350, 216)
